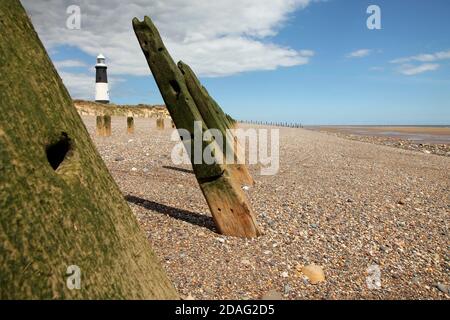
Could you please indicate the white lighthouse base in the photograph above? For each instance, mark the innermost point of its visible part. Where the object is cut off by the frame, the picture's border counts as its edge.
(101, 92)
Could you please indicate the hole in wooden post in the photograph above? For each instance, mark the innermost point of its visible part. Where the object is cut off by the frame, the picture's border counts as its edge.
(57, 152)
(175, 87)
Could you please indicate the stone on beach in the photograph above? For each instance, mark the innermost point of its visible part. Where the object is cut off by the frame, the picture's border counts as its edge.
(314, 273)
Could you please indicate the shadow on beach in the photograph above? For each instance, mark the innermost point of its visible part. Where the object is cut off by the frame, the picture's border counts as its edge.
(179, 214)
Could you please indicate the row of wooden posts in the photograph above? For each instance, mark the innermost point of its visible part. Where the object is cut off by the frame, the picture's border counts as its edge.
(103, 125)
(274, 124)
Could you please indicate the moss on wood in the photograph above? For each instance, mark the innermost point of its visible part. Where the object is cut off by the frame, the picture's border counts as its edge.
(67, 211)
(231, 210)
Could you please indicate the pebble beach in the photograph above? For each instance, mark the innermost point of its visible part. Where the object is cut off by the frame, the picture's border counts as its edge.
(341, 205)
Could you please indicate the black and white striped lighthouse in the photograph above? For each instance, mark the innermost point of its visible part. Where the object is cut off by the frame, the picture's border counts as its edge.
(101, 81)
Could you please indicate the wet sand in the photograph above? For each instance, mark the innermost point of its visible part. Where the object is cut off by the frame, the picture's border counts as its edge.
(418, 134)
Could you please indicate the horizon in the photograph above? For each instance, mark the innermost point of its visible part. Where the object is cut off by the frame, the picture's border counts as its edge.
(316, 59)
(443, 125)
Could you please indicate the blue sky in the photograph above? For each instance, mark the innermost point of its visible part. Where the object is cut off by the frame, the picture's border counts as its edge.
(307, 47)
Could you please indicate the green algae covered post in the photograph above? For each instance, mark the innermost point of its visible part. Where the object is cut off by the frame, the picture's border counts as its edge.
(61, 213)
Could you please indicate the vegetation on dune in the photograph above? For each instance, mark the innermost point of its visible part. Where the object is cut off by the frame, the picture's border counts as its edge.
(140, 110)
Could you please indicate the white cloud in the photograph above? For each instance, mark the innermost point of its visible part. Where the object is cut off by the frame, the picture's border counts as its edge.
(411, 70)
(216, 38)
(215, 56)
(80, 85)
(425, 62)
(60, 64)
(361, 53)
(426, 57)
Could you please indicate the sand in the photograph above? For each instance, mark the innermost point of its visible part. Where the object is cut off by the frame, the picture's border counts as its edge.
(341, 204)
(418, 134)
(441, 131)
(435, 140)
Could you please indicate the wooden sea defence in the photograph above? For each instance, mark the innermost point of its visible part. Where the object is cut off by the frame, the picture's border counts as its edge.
(187, 102)
(130, 125)
(103, 126)
(63, 216)
(100, 126)
(214, 117)
(160, 123)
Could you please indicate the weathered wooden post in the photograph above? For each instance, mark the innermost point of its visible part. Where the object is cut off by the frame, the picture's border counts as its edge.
(61, 213)
(160, 123)
(229, 206)
(103, 126)
(107, 125)
(214, 117)
(130, 125)
(100, 126)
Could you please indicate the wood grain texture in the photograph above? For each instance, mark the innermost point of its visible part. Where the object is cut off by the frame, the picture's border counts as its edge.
(228, 204)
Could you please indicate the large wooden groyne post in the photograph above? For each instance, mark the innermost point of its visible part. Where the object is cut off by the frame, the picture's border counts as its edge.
(214, 117)
(65, 230)
(229, 206)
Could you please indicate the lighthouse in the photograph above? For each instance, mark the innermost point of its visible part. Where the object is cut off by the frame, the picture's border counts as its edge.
(101, 81)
